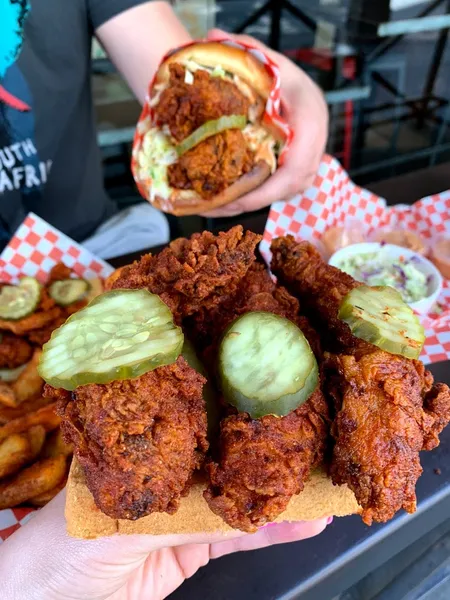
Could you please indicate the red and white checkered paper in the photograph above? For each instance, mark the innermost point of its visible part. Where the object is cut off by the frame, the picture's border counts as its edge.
(334, 198)
(271, 115)
(35, 248)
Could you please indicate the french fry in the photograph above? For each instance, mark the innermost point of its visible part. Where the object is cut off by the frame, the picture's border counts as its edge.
(56, 446)
(32, 481)
(9, 414)
(15, 452)
(36, 436)
(45, 498)
(7, 395)
(45, 416)
(29, 383)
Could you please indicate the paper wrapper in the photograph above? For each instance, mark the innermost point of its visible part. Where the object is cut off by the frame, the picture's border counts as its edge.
(35, 248)
(334, 198)
(271, 115)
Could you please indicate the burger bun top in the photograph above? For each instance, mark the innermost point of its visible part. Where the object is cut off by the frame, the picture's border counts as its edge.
(231, 59)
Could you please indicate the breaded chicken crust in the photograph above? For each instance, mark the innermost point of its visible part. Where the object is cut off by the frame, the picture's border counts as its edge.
(194, 274)
(139, 441)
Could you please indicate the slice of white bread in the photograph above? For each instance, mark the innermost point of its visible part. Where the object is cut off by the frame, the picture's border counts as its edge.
(320, 498)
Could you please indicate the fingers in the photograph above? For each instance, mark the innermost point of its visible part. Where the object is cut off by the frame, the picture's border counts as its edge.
(275, 533)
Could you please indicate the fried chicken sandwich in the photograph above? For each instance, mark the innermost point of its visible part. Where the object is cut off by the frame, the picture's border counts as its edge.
(206, 139)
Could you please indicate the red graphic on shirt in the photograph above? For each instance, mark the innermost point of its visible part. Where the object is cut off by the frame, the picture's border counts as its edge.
(12, 101)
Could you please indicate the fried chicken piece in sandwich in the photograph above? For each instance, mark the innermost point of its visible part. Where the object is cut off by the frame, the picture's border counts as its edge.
(213, 165)
(183, 107)
(139, 441)
(263, 462)
(387, 409)
(217, 162)
(193, 274)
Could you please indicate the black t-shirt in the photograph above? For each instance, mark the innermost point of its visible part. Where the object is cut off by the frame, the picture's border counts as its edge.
(49, 160)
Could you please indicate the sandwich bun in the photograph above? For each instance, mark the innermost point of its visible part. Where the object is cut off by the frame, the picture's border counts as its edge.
(231, 59)
(319, 499)
(181, 204)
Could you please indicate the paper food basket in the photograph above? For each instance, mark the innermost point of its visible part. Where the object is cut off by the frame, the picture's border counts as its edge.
(35, 248)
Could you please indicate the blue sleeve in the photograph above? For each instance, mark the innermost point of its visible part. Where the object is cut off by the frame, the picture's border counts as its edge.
(101, 11)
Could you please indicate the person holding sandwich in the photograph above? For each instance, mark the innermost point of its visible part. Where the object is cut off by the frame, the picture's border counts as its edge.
(49, 160)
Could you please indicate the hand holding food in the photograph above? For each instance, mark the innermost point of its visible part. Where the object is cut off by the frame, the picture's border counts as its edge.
(205, 139)
(211, 134)
(102, 568)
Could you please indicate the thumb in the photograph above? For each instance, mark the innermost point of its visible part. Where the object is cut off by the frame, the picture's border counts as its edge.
(218, 34)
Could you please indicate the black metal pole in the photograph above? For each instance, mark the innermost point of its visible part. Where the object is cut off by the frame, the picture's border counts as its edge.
(254, 17)
(436, 60)
(300, 15)
(275, 25)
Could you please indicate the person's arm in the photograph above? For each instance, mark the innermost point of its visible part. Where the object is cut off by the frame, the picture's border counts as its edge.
(137, 39)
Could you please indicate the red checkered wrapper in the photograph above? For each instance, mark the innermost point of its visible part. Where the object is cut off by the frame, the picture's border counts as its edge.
(333, 198)
(271, 115)
(35, 248)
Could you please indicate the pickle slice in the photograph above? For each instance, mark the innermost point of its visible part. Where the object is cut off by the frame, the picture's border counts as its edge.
(68, 291)
(209, 129)
(10, 375)
(18, 301)
(266, 366)
(380, 316)
(209, 395)
(120, 335)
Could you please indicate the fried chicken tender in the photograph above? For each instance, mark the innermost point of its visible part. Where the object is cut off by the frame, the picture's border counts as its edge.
(194, 274)
(139, 441)
(387, 409)
(213, 165)
(184, 107)
(261, 463)
(14, 351)
(437, 406)
(380, 428)
(320, 289)
(256, 292)
(264, 462)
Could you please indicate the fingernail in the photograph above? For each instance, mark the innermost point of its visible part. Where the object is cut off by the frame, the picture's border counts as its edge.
(329, 520)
